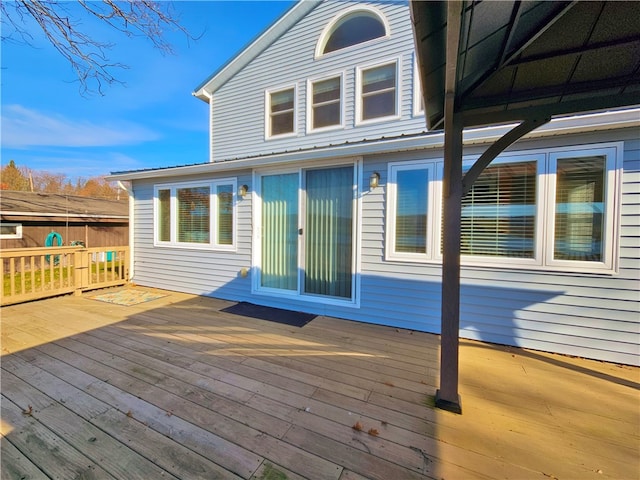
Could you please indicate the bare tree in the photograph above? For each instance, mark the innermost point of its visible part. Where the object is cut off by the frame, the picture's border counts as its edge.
(62, 25)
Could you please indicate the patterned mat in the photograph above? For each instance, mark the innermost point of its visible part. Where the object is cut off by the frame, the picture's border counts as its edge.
(128, 297)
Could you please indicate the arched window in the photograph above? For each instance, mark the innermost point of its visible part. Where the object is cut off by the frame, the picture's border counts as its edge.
(351, 28)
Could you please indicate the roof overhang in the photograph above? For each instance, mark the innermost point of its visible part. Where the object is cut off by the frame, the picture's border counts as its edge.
(519, 60)
(253, 49)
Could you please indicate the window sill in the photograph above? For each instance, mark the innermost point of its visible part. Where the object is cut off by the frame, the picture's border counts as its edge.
(578, 269)
(281, 135)
(197, 246)
(373, 121)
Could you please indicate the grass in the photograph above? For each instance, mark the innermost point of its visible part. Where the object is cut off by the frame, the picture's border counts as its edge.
(41, 281)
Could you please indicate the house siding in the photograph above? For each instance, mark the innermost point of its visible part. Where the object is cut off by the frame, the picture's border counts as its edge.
(591, 315)
(575, 313)
(238, 117)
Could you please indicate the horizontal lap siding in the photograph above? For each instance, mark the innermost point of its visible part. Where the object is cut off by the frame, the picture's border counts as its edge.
(595, 316)
(239, 106)
(197, 271)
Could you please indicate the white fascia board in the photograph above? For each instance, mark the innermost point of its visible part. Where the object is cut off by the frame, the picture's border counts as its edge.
(253, 49)
(560, 126)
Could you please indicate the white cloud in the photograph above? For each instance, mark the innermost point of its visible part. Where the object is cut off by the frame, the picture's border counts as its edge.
(23, 127)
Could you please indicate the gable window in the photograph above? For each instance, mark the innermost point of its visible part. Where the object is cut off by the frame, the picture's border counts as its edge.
(281, 112)
(10, 230)
(552, 210)
(378, 92)
(195, 214)
(356, 26)
(326, 103)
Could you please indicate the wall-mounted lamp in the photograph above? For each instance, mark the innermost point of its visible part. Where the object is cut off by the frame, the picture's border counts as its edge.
(374, 180)
(244, 189)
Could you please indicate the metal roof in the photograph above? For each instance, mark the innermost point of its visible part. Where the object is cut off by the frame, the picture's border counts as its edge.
(524, 58)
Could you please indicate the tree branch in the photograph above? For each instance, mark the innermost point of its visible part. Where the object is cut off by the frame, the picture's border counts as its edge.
(87, 56)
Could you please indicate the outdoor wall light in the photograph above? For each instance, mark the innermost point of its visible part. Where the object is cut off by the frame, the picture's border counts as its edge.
(244, 189)
(374, 180)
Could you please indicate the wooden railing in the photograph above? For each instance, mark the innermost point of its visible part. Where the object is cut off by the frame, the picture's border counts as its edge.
(33, 273)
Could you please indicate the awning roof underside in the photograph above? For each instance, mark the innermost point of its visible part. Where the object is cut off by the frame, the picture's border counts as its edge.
(521, 59)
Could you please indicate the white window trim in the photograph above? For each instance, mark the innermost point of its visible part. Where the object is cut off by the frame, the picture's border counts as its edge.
(358, 100)
(331, 26)
(433, 195)
(267, 112)
(490, 261)
(16, 235)
(545, 213)
(418, 110)
(611, 200)
(256, 258)
(310, 83)
(213, 218)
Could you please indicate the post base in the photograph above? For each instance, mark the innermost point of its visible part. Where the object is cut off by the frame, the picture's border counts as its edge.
(448, 405)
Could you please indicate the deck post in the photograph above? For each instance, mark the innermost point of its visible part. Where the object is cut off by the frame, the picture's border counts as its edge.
(447, 396)
(81, 270)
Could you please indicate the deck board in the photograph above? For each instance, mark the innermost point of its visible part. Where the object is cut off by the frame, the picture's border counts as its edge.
(175, 388)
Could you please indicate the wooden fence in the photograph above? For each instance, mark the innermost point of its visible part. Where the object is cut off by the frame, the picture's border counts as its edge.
(33, 273)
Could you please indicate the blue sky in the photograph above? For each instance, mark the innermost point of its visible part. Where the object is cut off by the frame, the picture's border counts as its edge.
(151, 121)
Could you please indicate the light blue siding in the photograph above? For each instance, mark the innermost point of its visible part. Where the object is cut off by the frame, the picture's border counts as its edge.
(239, 106)
(591, 315)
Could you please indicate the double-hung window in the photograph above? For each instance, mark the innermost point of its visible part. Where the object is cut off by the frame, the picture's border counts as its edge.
(281, 112)
(196, 214)
(325, 109)
(377, 92)
(552, 209)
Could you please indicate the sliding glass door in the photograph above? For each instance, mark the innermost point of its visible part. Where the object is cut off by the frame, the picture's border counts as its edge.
(329, 232)
(307, 238)
(279, 267)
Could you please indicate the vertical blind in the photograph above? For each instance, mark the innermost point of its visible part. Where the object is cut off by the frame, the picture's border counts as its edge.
(412, 188)
(579, 208)
(193, 214)
(329, 232)
(499, 213)
(279, 267)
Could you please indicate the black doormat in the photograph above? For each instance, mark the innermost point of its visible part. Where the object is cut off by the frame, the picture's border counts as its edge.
(286, 317)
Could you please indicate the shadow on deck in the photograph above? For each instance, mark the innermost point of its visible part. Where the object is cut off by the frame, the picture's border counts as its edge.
(178, 388)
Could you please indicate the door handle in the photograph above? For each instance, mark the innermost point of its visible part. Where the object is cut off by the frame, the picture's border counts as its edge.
(299, 231)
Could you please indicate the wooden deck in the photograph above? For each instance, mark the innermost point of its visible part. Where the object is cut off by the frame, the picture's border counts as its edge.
(175, 388)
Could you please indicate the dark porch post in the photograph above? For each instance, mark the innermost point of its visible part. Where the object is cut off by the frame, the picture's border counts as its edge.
(447, 396)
